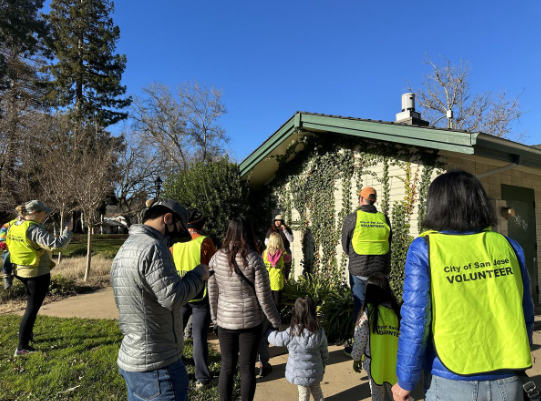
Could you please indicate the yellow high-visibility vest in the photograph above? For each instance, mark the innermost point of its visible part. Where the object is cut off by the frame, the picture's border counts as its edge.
(477, 315)
(187, 256)
(384, 346)
(21, 251)
(371, 234)
(276, 274)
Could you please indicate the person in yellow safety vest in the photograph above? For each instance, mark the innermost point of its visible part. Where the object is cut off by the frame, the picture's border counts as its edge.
(30, 247)
(276, 259)
(376, 336)
(187, 256)
(366, 239)
(467, 316)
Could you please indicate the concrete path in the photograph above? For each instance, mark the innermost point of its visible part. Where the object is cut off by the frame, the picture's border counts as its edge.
(341, 383)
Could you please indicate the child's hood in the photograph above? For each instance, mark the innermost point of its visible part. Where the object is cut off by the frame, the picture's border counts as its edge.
(310, 340)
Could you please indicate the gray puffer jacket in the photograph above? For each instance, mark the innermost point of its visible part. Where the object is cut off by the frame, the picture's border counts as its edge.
(233, 302)
(308, 355)
(149, 294)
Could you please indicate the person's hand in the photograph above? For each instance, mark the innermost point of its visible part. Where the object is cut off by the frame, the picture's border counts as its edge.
(215, 329)
(206, 276)
(399, 394)
(282, 227)
(357, 366)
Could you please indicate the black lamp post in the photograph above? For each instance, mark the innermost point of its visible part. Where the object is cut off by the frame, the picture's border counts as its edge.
(158, 183)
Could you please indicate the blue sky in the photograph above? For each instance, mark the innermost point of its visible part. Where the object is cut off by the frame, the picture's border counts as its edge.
(344, 57)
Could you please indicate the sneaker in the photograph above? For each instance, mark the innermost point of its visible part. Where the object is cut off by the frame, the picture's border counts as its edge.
(265, 370)
(8, 282)
(25, 351)
(347, 350)
(200, 385)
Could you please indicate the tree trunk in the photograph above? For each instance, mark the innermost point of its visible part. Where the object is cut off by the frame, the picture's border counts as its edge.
(88, 252)
(60, 229)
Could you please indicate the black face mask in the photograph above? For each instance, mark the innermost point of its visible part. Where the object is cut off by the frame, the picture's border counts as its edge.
(176, 235)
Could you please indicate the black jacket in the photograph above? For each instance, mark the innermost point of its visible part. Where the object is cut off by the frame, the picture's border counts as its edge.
(364, 265)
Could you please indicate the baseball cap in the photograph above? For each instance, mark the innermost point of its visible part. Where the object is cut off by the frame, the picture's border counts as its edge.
(178, 211)
(35, 205)
(369, 193)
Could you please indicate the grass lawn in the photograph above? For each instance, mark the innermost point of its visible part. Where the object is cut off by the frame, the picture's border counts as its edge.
(77, 361)
(106, 244)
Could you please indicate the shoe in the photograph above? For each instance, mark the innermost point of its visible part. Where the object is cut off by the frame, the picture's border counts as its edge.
(265, 370)
(347, 350)
(200, 385)
(8, 282)
(25, 351)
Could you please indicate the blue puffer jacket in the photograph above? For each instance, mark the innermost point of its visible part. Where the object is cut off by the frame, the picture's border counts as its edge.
(308, 355)
(416, 345)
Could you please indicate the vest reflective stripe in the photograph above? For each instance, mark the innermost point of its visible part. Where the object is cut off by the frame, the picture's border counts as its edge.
(187, 256)
(477, 316)
(276, 274)
(371, 234)
(384, 347)
(21, 251)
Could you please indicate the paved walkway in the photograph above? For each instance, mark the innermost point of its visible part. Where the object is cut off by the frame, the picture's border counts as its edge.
(341, 383)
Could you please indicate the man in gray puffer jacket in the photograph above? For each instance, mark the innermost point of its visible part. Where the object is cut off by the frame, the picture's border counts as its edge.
(149, 294)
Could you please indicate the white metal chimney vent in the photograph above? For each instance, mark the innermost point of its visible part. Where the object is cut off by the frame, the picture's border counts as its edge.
(409, 115)
(408, 101)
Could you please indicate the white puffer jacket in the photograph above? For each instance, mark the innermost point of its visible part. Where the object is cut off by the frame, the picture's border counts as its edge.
(233, 302)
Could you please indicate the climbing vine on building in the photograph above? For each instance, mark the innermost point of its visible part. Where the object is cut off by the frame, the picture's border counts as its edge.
(316, 168)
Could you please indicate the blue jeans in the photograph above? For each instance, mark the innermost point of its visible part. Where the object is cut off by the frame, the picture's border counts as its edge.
(6, 266)
(358, 286)
(440, 389)
(166, 384)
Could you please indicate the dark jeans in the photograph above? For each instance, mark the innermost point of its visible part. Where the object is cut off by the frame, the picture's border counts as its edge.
(232, 342)
(166, 384)
(36, 289)
(6, 266)
(200, 330)
(263, 349)
(358, 287)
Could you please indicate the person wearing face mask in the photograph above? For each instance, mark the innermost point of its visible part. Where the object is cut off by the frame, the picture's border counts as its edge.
(31, 246)
(149, 295)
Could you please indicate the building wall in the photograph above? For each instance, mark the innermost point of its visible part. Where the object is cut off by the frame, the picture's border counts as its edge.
(472, 164)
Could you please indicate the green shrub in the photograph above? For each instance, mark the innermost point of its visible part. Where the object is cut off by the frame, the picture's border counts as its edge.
(333, 300)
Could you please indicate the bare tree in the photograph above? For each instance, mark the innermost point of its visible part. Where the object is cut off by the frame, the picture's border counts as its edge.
(92, 178)
(136, 172)
(202, 107)
(184, 124)
(447, 87)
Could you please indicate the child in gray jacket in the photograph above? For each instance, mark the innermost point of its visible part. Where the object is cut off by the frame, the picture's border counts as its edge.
(307, 346)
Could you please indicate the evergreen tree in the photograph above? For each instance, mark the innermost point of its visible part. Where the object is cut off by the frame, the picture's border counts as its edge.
(22, 52)
(87, 73)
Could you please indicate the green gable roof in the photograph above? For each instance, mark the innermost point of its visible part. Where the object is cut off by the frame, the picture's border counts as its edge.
(428, 137)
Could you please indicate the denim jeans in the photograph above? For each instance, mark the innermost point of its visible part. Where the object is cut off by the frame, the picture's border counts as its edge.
(440, 389)
(166, 384)
(358, 286)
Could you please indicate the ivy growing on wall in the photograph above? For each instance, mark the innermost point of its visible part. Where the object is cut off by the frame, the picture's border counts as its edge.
(321, 164)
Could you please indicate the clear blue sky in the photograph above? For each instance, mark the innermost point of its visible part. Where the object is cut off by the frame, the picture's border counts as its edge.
(344, 57)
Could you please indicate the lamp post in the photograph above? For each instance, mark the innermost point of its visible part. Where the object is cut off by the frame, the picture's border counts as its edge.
(158, 183)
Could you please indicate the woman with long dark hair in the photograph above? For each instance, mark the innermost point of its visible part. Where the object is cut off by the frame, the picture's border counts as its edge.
(240, 296)
(468, 310)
